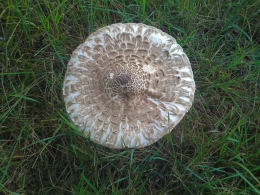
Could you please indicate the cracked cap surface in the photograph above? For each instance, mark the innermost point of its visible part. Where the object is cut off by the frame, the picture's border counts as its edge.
(128, 85)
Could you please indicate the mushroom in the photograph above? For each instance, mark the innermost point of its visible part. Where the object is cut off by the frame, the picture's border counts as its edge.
(128, 85)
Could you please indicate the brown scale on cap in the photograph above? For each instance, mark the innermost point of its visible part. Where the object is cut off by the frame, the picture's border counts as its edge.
(128, 85)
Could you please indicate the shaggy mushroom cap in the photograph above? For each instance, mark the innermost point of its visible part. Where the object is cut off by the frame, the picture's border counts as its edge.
(128, 85)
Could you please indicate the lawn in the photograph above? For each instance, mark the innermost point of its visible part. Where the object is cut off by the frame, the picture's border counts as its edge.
(214, 150)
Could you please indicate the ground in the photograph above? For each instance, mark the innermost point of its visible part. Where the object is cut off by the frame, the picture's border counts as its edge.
(214, 150)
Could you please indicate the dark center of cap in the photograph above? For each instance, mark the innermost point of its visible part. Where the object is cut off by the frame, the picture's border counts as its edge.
(124, 84)
(122, 79)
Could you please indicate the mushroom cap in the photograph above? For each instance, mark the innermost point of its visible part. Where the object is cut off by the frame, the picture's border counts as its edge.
(128, 85)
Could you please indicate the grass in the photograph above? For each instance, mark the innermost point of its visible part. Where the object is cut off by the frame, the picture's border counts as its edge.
(214, 150)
